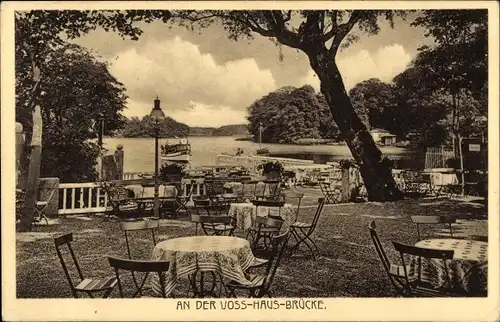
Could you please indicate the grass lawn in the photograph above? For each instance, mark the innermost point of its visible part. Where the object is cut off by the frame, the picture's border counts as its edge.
(348, 266)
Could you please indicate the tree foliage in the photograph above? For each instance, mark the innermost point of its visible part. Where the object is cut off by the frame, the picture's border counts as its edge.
(289, 114)
(457, 66)
(77, 92)
(145, 127)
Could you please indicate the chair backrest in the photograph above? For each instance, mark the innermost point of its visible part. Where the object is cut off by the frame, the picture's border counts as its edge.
(319, 210)
(202, 204)
(211, 222)
(139, 225)
(278, 245)
(223, 220)
(214, 187)
(268, 203)
(49, 197)
(441, 219)
(139, 266)
(420, 252)
(296, 195)
(273, 222)
(62, 241)
(378, 247)
(249, 187)
(274, 187)
(134, 225)
(423, 252)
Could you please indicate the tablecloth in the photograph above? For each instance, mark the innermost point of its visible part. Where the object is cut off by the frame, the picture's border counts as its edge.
(443, 179)
(245, 213)
(148, 192)
(468, 269)
(250, 189)
(229, 256)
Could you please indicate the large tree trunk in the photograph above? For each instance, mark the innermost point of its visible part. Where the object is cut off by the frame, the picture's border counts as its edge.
(26, 219)
(377, 175)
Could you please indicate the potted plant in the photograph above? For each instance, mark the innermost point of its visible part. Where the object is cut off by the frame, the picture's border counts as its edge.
(172, 172)
(271, 170)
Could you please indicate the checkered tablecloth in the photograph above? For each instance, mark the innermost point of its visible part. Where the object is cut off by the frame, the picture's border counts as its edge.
(228, 256)
(468, 269)
(245, 213)
(148, 192)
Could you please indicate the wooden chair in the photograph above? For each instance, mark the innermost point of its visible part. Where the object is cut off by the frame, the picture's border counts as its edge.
(393, 271)
(129, 227)
(261, 284)
(264, 229)
(133, 266)
(332, 194)
(302, 232)
(89, 286)
(41, 207)
(122, 206)
(295, 195)
(420, 220)
(182, 199)
(217, 225)
(413, 285)
(248, 189)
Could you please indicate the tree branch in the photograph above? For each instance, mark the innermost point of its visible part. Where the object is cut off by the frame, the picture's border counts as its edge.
(343, 30)
(328, 35)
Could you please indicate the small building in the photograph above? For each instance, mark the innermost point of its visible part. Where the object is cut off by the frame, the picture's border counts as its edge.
(384, 137)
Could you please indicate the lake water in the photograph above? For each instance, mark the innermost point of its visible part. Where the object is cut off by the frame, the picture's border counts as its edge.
(139, 152)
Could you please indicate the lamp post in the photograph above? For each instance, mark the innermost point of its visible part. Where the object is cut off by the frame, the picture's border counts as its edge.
(158, 115)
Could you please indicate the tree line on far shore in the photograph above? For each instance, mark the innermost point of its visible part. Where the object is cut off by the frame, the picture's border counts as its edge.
(136, 127)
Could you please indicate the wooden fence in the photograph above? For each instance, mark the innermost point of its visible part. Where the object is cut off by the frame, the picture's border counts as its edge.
(437, 157)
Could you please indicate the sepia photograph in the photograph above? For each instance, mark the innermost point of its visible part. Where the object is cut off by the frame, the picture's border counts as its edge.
(251, 159)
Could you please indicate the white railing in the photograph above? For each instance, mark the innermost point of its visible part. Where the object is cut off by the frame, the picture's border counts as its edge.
(78, 198)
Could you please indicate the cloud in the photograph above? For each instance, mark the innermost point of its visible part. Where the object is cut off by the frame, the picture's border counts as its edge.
(176, 71)
(361, 65)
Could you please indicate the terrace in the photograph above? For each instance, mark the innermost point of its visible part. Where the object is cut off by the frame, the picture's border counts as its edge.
(348, 265)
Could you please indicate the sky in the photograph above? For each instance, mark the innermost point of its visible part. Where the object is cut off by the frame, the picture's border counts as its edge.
(204, 79)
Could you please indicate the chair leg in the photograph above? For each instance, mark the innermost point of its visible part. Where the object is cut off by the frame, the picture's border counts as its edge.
(107, 293)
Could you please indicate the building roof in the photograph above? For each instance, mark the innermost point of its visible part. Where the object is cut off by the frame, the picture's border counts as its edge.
(378, 131)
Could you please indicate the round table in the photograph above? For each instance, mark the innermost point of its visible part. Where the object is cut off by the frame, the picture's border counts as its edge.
(228, 256)
(245, 213)
(467, 270)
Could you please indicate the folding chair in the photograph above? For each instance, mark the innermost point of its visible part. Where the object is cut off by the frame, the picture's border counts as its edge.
(331, 194)
(393, 271)
(295, 195)
(122, 206)
(261, 284)
(264, 229)
(182, 199)
(41, 207)
(248, 189)
(414, 286)
(419, 220)
(274, 188)
(302, 232)
(133, 266)
(217, 225)
(89, 286)
(137, 226)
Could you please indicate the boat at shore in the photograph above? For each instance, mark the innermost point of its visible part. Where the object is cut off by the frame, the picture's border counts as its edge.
(176, 151)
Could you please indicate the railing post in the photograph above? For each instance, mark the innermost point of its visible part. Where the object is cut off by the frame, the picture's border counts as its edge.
(119, 156)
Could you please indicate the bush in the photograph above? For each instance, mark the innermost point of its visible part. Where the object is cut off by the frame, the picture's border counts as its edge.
(271, 167)
(171, 169)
